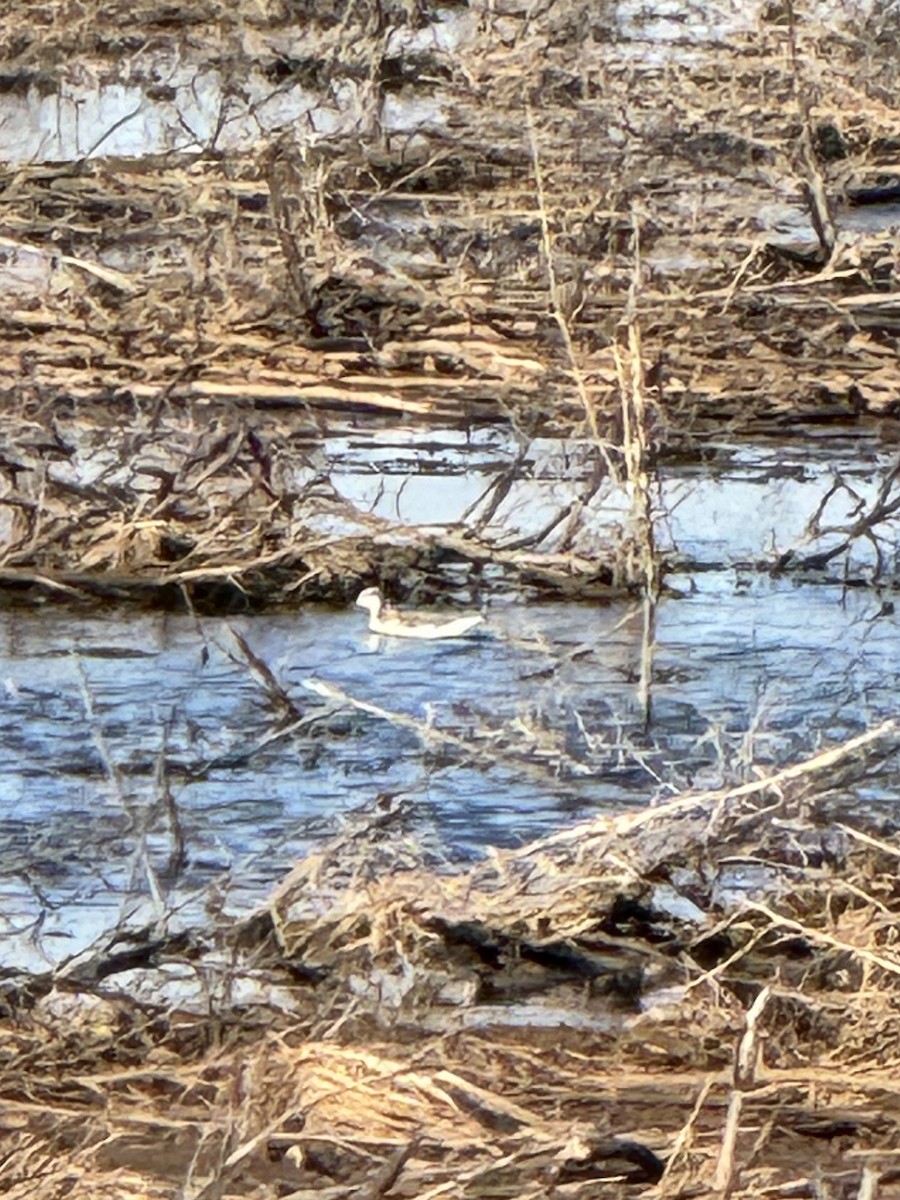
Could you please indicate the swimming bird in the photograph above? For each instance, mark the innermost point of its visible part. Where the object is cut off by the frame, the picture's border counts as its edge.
(390, 623)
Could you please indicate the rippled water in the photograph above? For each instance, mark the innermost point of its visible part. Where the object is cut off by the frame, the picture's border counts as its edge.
(141, 760)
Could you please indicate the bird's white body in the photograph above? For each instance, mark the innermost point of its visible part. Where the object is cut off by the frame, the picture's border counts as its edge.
(389, 623)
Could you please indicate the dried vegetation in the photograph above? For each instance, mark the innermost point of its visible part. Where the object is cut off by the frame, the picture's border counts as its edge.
(535, 220)
(695, 999)
(699, 999)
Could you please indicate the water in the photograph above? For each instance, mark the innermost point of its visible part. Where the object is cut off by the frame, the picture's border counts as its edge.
(194, 105)
(753, 503)
(146, 759)
(151, 762)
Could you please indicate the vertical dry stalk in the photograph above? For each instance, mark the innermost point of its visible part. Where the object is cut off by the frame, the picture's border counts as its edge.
(685, 1137)
(634, 410)
(745, 1066)
(305, 231)
(557, 304)
(814, 185)
(868, 1185)
(642, 556)
(139, 818)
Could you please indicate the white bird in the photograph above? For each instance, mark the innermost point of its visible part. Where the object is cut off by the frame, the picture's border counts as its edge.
(390, 623)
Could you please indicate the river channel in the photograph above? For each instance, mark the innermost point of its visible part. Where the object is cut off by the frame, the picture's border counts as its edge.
(160, 763)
